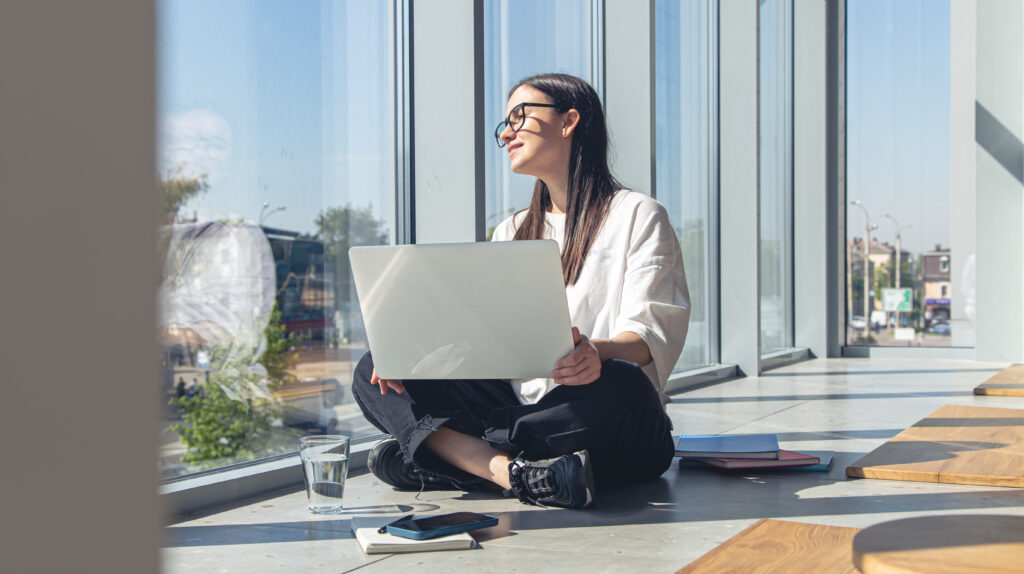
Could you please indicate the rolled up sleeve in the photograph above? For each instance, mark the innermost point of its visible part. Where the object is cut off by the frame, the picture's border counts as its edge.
(655, 300)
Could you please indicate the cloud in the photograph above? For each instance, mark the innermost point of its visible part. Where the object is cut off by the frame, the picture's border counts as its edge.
(198, 141)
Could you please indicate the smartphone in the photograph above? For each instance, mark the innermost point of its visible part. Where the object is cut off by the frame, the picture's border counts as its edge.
(441, 525)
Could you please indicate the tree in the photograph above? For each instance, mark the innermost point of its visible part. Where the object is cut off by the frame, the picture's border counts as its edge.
(341, 228)
(882, 280)
(224, 421)
(175, 189)
(217, 426)
(857, 291)
(279, 356)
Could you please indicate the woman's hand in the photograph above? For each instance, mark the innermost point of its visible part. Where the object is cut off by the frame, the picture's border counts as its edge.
(385, 384)
(580, 367)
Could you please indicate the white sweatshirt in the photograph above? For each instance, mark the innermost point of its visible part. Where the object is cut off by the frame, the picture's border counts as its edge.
(633, 280)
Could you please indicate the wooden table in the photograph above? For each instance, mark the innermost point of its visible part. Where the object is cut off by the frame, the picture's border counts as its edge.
(1008, 382)
(955, 445)
(771, 546)
(942, 545)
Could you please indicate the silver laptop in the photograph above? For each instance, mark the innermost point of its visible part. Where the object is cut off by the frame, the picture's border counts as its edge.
(493, 310)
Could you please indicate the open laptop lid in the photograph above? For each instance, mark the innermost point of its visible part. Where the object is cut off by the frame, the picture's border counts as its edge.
(493, 310)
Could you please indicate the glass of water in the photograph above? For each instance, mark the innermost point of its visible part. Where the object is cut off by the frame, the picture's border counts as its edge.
(324, 466)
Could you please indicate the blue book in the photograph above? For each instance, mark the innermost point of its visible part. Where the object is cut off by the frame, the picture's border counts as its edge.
(728, 446)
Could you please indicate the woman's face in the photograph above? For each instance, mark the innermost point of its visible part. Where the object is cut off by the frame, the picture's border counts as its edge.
(541, 146)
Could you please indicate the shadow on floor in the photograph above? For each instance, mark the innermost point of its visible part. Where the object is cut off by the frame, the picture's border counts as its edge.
(821, 397)
(837, 434)
(886, 372)
(970, 422)
(698, 496)
(230, 534)
(678, 497)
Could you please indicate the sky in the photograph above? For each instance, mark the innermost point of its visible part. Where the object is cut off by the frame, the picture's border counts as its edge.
(259, 95)
(898, 118)
(255, 94)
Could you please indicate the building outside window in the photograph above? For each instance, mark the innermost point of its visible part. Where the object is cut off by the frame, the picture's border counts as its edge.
(275, 154)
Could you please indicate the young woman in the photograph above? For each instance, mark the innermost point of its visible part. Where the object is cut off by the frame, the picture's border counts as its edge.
(599, 420)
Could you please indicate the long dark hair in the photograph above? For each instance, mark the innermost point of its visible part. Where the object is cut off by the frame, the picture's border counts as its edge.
(591, 184)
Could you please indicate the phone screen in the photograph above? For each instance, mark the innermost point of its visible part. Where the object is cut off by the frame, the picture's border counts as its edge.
(442, 521)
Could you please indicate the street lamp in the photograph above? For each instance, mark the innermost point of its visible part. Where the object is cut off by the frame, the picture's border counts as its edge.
(268, 213)
(899, 251)
(867, 264)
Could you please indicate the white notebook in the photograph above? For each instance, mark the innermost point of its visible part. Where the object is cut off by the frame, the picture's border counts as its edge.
(365, 529)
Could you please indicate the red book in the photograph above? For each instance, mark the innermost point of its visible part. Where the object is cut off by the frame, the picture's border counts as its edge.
(786, 458)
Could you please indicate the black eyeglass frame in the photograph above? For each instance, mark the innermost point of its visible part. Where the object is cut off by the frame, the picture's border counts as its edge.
(522, 121)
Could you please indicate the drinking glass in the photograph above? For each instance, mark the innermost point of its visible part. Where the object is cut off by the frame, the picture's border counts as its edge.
(324, 467)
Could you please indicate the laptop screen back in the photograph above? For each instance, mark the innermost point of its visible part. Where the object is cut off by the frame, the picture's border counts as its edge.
(493, 310)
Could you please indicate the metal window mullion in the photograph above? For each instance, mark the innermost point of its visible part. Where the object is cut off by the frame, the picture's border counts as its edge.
(789, 227)
(402, 110)
(836, 177)
(711, 242)
(597, 47)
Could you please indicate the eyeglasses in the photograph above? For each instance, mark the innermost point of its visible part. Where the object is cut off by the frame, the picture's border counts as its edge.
(515, 120)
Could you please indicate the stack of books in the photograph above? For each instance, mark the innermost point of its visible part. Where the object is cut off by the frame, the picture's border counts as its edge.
(747, 451)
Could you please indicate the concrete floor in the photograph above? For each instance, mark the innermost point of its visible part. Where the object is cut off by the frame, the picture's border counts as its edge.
(849, 406)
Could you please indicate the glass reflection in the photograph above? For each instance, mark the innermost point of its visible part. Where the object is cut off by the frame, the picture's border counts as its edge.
(686, 170)
(522, 38)
(776, 173)
(275, 154)
(898, 266)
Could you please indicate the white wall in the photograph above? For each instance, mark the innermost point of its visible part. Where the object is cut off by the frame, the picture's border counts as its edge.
(739, 199)
(629, 91)
(962, 174)
(810, 184)
(448, 111)
(1000, 190)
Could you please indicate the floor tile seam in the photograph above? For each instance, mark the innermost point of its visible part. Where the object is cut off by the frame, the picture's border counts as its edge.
(761, 418)
(589, 552)
(372, 562)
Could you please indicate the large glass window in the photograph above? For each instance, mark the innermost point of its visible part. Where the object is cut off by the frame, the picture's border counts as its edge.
(776, 173)
(898, 175)
(275, 155)
(686, 128)
(522, 38)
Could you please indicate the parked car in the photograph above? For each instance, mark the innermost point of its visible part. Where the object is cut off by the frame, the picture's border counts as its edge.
(857, 323)
(941, 329)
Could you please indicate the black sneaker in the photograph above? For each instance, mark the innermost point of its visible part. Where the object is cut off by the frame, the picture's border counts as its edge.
(566, 481)
(387, 463)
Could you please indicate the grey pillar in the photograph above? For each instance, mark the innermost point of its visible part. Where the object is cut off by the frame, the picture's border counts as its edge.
(999, 129)
(835, 165)
(810, 177)
(448, 112)
(629, 91)
(739, 210)
(80, 413)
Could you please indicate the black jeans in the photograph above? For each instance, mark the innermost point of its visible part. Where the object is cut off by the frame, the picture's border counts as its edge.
(618, 418)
